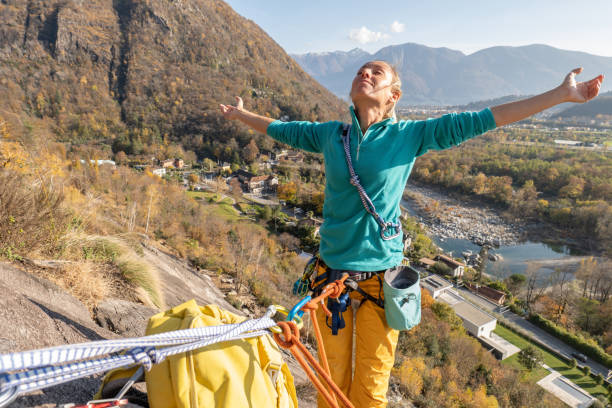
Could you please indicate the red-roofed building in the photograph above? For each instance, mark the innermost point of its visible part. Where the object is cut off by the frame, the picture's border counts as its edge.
(493, 295)
(457, 267)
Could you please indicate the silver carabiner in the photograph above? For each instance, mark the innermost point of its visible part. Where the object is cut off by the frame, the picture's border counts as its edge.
(398, 231)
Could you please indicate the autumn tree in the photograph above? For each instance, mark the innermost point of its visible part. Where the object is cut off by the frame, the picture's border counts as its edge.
(193, 178)
(250, 152)
(524, 203)
(287, 191)
(208, 164)
(121, 158)
(574, 187)
(515, 282)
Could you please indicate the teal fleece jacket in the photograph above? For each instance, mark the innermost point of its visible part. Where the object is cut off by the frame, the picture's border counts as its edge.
(383, 159)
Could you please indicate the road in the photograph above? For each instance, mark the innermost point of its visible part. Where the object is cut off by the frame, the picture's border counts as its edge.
(533, 330)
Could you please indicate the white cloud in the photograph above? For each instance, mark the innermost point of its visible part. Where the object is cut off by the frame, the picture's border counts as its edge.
(397, 27)
(363, 35)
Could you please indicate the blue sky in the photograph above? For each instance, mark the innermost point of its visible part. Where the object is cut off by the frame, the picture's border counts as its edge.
(465, 25)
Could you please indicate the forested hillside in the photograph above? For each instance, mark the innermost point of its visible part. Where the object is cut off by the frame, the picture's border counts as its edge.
(513, 168)
(137, 74)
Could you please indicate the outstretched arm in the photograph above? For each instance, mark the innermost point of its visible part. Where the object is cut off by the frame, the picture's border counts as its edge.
(252, 120)
(568, 91)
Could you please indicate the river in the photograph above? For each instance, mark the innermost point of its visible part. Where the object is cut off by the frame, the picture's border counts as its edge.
(517, 254)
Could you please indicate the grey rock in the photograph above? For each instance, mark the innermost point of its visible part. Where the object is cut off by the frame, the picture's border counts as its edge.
(127, 319)
(35, 313)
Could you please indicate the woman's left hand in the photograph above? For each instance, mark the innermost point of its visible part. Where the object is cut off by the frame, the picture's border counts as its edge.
(580, 92)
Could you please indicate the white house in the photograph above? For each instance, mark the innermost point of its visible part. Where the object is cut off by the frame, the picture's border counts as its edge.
(435, 285)
(457, 267)
(476, 322)
(159, 171)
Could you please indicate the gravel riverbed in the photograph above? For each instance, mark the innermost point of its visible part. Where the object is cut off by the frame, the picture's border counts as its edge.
(448, 217)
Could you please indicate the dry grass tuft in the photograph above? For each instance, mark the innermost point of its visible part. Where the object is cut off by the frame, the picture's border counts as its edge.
(123, 255)
(84, 280)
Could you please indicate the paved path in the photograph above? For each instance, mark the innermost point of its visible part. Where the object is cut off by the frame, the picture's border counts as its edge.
(565, 390)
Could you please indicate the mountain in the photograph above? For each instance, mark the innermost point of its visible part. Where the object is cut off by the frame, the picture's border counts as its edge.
(141, 72)
(602, 105)
(449, 77)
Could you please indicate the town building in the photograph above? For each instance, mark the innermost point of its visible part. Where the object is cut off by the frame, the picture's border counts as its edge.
(257, 185)
(435, 285)
(160, 172)
(295, 156)
(491, 294)
(427, 263)
(457, 267)
(477, 322)
(100, 162)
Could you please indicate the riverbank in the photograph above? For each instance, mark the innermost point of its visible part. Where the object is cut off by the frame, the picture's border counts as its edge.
(447, 217)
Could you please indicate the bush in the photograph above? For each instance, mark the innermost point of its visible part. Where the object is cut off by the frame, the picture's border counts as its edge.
(598, 404)
(31, 216)
(579, 343)
(517, 309)
(441, 269)
(599, 379)
(573, 363)
(586, 370)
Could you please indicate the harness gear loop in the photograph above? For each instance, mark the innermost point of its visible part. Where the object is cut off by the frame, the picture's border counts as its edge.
(365, 200)
(293, 343)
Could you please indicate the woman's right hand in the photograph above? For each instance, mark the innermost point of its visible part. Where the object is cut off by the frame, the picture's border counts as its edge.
(232, 112)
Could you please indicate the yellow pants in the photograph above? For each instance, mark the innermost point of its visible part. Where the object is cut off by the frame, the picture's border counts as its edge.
(374, 351)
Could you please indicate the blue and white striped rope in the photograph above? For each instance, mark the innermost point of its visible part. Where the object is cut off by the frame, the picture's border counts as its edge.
(139, 350)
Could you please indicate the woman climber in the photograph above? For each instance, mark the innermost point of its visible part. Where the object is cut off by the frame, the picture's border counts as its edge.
(383, 151)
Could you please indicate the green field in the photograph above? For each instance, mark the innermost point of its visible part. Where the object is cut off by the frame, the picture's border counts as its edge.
(575, 375)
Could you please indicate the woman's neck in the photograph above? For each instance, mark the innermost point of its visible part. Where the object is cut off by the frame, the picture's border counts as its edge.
(368, 115)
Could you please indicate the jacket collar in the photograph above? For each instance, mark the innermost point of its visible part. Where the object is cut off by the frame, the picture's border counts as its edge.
(384, 122)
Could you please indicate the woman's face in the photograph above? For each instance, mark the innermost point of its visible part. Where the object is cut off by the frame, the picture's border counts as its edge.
(373, 83)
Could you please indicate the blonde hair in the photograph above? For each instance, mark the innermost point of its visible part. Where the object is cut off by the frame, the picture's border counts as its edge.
(396, 86)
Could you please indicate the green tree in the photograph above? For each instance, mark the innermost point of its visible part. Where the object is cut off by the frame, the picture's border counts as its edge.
(530, 357)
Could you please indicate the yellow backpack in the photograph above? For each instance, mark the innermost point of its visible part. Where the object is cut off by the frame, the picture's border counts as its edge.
(237, 373)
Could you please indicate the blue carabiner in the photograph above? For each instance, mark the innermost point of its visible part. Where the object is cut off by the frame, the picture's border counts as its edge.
(297, 308)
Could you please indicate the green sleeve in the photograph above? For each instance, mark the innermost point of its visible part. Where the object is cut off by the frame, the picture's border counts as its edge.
(452, 129)
(301, 135)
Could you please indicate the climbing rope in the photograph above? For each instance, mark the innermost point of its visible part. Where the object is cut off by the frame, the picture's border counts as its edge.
(292, 341)
(29, 371)
(57, 365)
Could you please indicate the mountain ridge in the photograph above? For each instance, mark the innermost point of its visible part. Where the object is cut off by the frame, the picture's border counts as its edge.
(449, 77)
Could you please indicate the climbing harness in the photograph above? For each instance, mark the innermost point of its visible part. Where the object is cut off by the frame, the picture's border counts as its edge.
(365, 200)
(324, 275)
